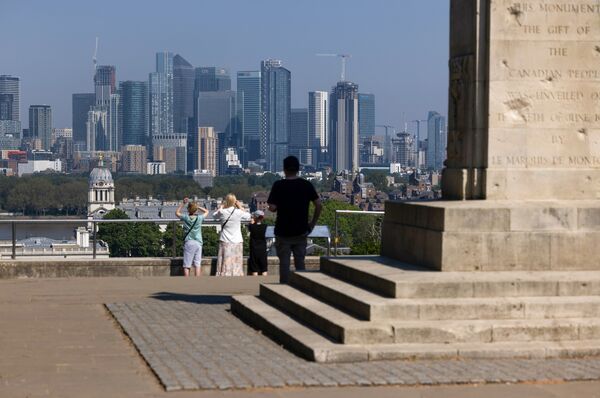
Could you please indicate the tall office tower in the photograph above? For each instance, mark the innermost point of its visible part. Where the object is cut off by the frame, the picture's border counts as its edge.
(318, 126)
(211, 78)
(183, 94)
(217, 109)
(299, 143)
(275, 113)
(366, 115)
(40, 124)
(248, 86)
(134, 100)
(9, 98)
(343, 112)
(10, 123)
(104, 84)
(115, 128)
(203, 146)
(161, 96)
(134, 159)
(81, 104)
(97, 129)
(436, 141)
(403, 150)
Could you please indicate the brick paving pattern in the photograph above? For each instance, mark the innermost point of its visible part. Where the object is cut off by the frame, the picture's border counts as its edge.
(194, 342)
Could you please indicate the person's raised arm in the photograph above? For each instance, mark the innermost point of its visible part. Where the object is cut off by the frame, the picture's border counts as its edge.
(183, 203)
(316, 214)
(204, 211)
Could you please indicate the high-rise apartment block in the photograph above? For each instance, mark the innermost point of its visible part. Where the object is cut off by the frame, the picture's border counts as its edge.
(436, 141)
(161, 96)
(366, 115)
(343, 111)
(134, 159)
(203, 146)
(275, 113)
(134, 105)
(318, 125)
(249, 94)
(40, 124)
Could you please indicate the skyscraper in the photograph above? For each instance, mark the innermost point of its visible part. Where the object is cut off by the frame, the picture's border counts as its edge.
(299, 143)
(318, 126)
(275, 113)
(218, 109)
(103, 123)
(248, 86)
(343, 111)
(161, 96)
(104, 84)
(40, 124)
(183, 94)
(366, 115)
(9, 98)
(81, 104)
(403, 150)
(211, 78)
(436, 141)
(134, 100)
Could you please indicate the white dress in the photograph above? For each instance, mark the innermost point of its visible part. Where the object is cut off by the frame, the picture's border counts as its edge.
(231, 243)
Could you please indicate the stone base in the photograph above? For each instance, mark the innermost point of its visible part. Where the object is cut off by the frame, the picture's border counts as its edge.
(494, 235)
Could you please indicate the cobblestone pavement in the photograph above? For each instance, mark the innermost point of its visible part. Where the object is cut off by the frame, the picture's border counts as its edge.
(194, 342)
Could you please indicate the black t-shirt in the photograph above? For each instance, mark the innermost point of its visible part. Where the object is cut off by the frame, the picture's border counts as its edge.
(292, 198)
(257, 233)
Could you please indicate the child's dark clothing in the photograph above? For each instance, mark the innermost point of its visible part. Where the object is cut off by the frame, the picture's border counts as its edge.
(257, 261)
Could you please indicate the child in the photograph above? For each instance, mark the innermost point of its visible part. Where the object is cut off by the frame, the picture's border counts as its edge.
(257, 261)
(192, 225)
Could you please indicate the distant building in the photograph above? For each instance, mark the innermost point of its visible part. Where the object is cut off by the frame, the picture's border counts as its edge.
(403, 149)
(202, 147)
(299, 139)
(211, 78)
(249, 103)
(134, 100)
(204, 178)
(275, 113)
(366, 114)
(38, 166)
(154, 168)
(318, 126)
(183, 94)
(10, 134)
(343, 146)
(171, 149)
(161, 97)
(10, 104)
(103, 121)
(372, 151)
(134, 159)
(81, 104)
(40, 124)
(436, 141)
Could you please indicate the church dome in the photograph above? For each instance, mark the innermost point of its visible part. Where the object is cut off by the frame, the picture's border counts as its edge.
(100, 174)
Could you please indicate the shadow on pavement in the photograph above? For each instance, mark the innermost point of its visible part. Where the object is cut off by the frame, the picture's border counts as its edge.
(192, 298)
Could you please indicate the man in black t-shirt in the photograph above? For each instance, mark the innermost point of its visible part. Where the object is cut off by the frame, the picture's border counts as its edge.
(290, 198)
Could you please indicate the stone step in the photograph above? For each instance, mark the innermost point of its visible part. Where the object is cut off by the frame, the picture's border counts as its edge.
(391, 278)
(369, 306)
(313, 346)
(491, 331)
(338, 325)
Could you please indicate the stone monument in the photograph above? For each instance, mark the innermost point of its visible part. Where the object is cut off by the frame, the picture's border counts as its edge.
(521, 185)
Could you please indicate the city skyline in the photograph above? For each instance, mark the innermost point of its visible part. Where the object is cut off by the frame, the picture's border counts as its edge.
(406, 87)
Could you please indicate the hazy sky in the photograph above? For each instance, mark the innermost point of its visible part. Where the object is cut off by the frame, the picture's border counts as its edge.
(399, 48)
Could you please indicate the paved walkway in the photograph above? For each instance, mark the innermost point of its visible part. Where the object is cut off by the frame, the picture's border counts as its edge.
(58, 340)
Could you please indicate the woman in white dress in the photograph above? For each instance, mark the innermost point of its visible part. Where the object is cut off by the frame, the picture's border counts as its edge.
(231, 243)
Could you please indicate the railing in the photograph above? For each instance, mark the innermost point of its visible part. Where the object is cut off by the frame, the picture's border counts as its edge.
(94, 223)
(336, 238)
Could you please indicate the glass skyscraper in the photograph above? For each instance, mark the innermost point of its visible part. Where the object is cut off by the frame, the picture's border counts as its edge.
(275, 113)
(183, 94)
(134, 100)
(81, 104)
(40, 124)
(299, 140)
(318, 126)
(161, 96)
(248, 86)
(366, 115)
(9, 98)
(343, 111)
(436, 141)
(212, 78)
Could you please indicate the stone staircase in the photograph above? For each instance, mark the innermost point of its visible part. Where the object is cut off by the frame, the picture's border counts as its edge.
(374, 308)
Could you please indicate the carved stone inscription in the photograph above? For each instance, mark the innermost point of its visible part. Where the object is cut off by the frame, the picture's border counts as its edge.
(544, 88)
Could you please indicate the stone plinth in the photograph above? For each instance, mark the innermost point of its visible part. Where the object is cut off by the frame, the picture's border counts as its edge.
(482, 235)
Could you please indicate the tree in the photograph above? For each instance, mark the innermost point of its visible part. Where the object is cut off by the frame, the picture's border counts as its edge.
(129, 239)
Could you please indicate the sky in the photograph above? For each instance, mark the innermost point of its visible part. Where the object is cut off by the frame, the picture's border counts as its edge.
(399, 48)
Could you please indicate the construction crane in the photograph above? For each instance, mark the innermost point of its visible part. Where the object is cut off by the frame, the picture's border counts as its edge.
(343, 58)
(94, 58)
